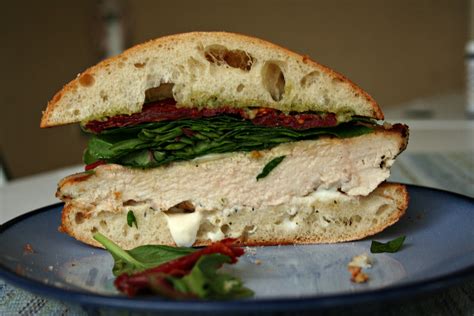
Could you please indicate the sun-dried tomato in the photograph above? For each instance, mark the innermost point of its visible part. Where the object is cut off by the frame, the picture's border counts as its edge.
(167, 110)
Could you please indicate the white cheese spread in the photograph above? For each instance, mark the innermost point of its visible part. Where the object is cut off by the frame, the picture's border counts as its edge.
(184, 227)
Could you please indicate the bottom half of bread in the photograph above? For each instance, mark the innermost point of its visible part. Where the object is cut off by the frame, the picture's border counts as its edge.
(322, 219)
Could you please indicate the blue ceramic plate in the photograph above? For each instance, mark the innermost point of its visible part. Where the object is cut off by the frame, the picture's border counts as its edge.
(438, 252)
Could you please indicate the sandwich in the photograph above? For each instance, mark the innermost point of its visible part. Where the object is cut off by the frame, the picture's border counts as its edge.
(203, 136)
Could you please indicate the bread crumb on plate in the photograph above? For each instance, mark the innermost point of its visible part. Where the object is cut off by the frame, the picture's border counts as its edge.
(355, 268)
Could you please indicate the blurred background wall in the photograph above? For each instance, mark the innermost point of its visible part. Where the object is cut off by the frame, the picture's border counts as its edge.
(396, 50)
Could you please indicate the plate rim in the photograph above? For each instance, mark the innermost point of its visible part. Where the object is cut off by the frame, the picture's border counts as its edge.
(84, 298)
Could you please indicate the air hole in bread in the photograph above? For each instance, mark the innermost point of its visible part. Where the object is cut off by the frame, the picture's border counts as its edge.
(250, 229)
(103, 224)
(79, 218)
(292, 216)
(313, 218)
(382, 209)
(220, 55)
(76, 112)
(94, 230)
(195, 64)
(325, 100)
(225, 229)
(347, 221)
(327, 220)
(182, 207)
(103, 95)
(136, 236)
(383, 161)
(134, 202)
(161, 92)
(129, 203)
(240, 87)
(86, 80)
(139, 65)
(356, 218)
(374, 221)
(310, 79)
(273, 80)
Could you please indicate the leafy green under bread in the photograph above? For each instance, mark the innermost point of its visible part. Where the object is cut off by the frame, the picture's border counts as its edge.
(155, 144)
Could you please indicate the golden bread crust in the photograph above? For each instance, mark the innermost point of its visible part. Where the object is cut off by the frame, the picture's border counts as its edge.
(87, 77)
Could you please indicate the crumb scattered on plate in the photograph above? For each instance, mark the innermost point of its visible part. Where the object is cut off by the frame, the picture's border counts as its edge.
(357, 276)
(27, 249)
(361, 261)
(355, 268)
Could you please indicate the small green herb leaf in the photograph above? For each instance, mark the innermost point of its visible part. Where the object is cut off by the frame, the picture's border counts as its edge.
(205, 282)
(391, 246)
(270, 166)
(140, 258)
(131, 219)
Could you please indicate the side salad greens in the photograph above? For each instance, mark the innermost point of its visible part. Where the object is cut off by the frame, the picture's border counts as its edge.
(178, 273)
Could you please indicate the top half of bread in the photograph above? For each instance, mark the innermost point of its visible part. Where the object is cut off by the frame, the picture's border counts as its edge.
(208, 69)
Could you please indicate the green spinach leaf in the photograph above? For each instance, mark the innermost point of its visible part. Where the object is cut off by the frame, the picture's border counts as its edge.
(131, 219)
(140, 258)
(205, 282)
(391, 246)
(270, 166)
(154, 144)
